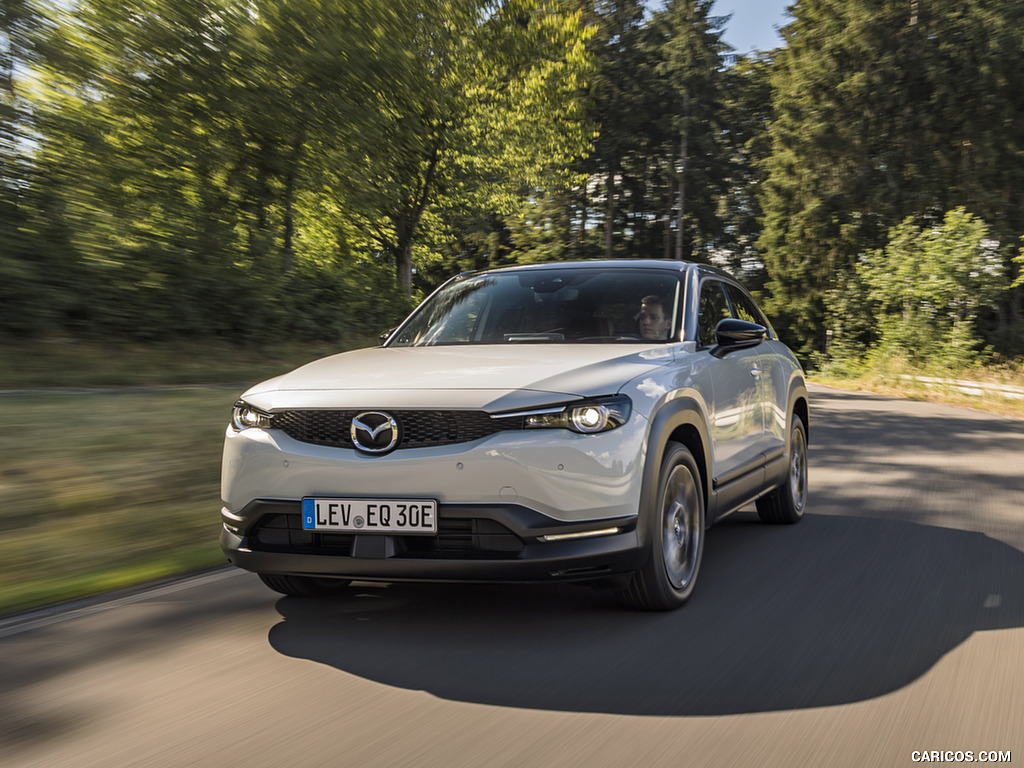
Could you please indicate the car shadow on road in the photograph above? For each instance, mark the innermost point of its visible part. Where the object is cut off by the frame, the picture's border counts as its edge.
(837, 609)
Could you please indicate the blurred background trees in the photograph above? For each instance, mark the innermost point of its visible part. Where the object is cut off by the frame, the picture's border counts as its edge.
(309, 168)
(928, 285)
(883, 111)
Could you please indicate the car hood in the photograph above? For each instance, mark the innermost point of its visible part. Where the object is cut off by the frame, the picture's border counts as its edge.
(491, 377)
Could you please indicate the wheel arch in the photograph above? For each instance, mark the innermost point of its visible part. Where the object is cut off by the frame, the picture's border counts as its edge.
(799, 407)
(683, 421)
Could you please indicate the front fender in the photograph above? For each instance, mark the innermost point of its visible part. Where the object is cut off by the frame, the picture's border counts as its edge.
(683, 420)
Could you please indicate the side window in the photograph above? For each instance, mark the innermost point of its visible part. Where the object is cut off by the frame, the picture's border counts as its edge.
(713, 308)
(744, 308)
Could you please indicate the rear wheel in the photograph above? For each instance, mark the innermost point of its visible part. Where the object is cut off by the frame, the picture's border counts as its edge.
(787, 502)
(303, 586)
(676, 542)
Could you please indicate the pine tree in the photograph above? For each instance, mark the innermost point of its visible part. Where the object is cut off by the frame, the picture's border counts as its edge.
(693, 64)
(886, 110)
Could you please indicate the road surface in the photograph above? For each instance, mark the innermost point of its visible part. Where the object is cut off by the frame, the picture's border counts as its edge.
(889, 622)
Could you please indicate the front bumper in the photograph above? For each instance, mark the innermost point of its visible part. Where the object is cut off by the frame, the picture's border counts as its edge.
(486, 542)
(565, 476)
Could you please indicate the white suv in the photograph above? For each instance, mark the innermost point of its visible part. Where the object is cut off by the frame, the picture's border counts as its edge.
(573, 421)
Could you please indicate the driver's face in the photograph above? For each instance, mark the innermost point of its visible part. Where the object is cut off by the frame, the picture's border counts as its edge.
(653, 323)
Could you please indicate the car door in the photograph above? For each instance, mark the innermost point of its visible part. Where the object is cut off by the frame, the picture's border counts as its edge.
(737, 413)
(772, 380)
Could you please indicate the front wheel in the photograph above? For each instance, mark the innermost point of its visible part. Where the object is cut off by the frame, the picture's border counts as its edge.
(676, 540)
(787, 502)
(303, 586)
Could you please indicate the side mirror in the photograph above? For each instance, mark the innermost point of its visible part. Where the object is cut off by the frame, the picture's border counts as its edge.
(732, 334)
(386, 335)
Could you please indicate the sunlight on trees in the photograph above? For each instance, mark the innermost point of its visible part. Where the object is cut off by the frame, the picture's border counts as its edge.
(310, 168)
(928, 286)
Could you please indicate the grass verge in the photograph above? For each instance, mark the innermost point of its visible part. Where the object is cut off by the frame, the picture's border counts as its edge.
(102, 491)
(99, 492)
(68, 363)
(938, 386)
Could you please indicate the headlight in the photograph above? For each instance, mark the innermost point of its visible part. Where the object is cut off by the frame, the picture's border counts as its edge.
(244, 416)
(598, 415)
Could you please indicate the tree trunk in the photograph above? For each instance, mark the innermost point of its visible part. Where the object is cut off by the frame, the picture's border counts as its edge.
(582, 237)
(291, 182)
(670, 192)
(408, 221)
(609, 213)
(683, 157)
(404, 266)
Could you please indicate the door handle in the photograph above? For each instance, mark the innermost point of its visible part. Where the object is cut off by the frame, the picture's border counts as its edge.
(756, 373)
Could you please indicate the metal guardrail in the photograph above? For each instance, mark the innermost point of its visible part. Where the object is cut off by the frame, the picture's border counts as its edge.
(977, 388)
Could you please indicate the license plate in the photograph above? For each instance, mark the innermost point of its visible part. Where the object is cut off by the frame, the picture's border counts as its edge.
(370, 515)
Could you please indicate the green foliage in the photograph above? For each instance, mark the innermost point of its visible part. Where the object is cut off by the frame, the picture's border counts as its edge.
(882, 111)
(210, 168)
(1018, 261)
(747, 107)
(928, 286)
(850, 317)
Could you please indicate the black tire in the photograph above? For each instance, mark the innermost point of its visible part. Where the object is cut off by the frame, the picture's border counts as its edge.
(676, 537)
(785, 505)
(303, 586)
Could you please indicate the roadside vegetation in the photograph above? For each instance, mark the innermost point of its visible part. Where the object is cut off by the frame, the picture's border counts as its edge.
(64, 363)
(975, 387)
(115, 487)
(910, 319)
(102, 491)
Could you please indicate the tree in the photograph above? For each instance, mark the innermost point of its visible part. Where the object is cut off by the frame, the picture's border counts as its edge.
(25, 293)
(193, 159)
(625, 103)
(885, 110)
(747, 113)
(485, 115)
(693, 64)
(929, 285)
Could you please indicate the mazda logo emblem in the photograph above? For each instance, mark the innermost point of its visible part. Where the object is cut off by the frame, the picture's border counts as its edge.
(374, 432)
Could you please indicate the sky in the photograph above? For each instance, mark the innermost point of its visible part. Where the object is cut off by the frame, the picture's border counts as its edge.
(753, 24)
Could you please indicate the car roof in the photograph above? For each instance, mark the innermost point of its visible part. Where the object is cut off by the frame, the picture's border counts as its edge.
(659, 264)
(680, 266)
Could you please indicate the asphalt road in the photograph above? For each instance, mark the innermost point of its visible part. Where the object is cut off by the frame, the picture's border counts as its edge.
(889, 621)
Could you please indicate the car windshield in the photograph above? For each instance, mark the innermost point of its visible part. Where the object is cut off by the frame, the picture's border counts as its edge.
(558, 305)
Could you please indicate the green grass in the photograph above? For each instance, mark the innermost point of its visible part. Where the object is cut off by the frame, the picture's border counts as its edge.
(898, 379)
(101, 491)
(68, 363)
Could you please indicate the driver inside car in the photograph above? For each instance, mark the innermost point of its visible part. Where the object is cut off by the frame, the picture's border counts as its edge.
(654, 325)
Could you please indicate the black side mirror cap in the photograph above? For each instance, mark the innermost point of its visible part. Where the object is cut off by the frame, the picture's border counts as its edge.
(732, 334)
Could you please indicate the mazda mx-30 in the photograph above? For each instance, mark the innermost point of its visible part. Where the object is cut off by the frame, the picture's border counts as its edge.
(581, 422)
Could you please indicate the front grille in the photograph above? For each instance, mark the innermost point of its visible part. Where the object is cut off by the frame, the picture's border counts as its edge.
(456, 539)
(417, 429)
